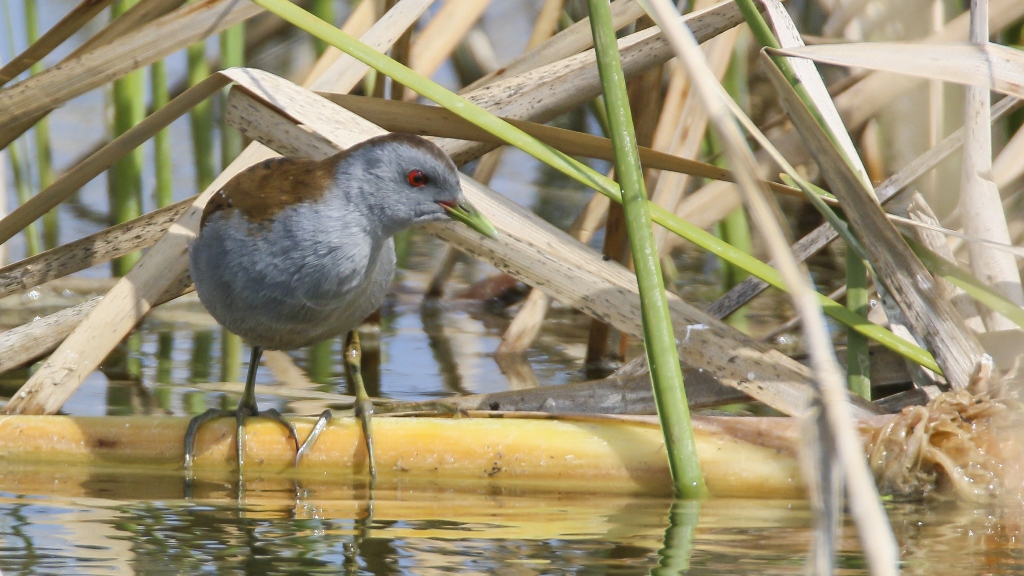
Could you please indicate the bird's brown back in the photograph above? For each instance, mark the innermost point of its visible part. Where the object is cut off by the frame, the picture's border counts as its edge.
(262, 190)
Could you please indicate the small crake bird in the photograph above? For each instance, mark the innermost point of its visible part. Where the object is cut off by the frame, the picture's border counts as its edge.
(293, 251)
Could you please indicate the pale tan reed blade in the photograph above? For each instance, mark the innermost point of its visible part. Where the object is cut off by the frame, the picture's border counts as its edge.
(980, 205)
(125, 45)
(540, 254)
(688, 132)
(345, 72)
(442, 35)
(824, 234)
(94, 249)
(438, 122)
(919, 210)
(931, 317)
(546, 23)
(568, 42)
(61, 31)
(862, 101)
(133, 296)
(82, 173)
(357, 23)
(526, 324)
(992, 66)
(28, 342)
(544, 93)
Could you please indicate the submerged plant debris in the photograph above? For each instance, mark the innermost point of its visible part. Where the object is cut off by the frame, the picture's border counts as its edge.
(959, 445)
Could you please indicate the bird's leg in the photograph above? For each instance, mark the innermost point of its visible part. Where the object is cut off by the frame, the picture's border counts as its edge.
(246, 408)
(363, 405)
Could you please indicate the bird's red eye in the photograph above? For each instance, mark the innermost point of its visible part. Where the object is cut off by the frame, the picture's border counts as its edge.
(417, 178)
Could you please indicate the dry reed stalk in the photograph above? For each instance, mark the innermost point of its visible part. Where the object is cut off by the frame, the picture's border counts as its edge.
(616, 454)
(688, 132)
(137, 16)
(980, 203)
(568, 42)
(919, 210)
(94, 249)
(862, 101)
(61, 31)
(135, 294)
(437, 122)
(824, 234)
(930, 317)
(38, 338)
(526, 324)
(546, 23)
(442, 35)
(357, 23)
(543, 93)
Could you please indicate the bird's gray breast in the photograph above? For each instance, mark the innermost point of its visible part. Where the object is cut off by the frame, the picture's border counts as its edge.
(288, 283)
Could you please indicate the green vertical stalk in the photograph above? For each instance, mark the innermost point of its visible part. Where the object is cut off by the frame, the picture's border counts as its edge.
(201, 117)
(20, 173)
(677, 545)
(164, 369)
(125, 185)
(165, 357)
(659, 338)
(161, 140)
(320, 361)
(202, 356)
(232, 54)
(24, 191)
(858, 361)
(735, 228)
(324, 10)
(44, 156)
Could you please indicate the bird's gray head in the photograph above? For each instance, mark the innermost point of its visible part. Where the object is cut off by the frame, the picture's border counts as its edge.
(399, 180)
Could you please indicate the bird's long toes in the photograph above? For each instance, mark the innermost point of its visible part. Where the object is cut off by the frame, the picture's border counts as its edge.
(321, 424)
(193, 430)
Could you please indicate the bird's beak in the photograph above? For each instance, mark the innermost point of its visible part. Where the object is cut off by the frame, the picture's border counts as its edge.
(465, 212)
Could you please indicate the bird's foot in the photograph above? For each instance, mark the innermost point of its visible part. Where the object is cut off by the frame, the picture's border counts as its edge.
(325, 418)
(241, 414)
(363, 410)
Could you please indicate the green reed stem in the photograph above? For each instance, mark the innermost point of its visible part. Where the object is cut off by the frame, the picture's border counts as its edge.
(232, 54)
(24, 191)
(19, 171)
(44, 155)
(163, 167)
(125, 184)
(858, 360)
(202, 356)
(320, 361)
(324, 10)
(201, 118)
(659, 337)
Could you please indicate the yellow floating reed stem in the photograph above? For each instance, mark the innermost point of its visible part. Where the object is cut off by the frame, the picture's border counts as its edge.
(523, 454)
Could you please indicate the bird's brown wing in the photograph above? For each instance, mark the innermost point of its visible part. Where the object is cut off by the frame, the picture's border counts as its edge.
(262, 190)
